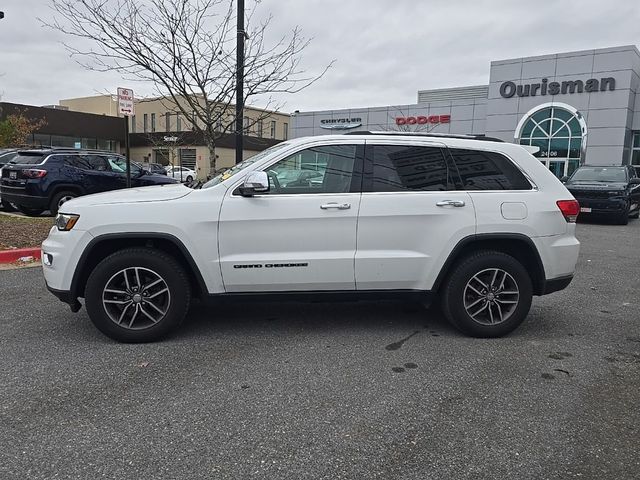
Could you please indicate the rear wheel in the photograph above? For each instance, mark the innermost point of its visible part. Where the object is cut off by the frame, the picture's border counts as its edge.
(488, 294)
(30, 212)
(137, 295)
(189, 179)
(59, 199)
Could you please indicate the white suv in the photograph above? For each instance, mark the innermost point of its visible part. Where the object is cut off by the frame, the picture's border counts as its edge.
(481, 224)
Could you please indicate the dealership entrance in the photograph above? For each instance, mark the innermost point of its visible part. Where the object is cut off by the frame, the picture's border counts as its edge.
(558, 130)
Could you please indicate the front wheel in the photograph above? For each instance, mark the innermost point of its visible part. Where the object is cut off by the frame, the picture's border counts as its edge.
(189, 179)
(488, 294)
(137, 295)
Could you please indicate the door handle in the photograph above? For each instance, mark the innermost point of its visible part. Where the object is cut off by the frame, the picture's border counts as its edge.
(450, 203)
(338, 206)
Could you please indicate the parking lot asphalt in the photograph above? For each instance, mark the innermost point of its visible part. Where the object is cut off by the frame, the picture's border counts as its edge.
(331, 390)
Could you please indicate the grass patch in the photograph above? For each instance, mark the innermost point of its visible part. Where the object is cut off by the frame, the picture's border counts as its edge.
(23, 232)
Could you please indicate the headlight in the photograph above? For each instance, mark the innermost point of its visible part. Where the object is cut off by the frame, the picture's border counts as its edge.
(65, 222)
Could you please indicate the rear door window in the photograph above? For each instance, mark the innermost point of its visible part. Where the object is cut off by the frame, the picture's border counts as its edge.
(399, 168)
(481, 170)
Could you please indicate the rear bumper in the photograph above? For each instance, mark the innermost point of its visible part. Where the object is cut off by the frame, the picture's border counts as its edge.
(556, 284)
(28, 201)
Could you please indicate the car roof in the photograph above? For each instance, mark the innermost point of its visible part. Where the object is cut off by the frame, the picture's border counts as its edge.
(68, 151)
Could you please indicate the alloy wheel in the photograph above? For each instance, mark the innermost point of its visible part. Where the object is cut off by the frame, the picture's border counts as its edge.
(491, 296)
(136, 298)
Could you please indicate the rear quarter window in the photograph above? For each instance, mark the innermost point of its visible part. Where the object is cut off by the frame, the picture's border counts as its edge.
(481, 170)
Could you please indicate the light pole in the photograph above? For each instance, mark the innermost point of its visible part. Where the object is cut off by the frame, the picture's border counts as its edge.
(240, 81)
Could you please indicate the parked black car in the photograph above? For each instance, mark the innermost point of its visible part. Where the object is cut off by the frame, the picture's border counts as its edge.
(39, 180)
(611, 191)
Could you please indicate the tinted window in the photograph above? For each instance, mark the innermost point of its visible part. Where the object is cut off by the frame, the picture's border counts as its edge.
(326, 169)
(86, 162)
(400, 168)
(488, 171)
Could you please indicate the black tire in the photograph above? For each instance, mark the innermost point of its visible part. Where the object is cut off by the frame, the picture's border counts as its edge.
(140, 329)
(189, 179)
(59, 197)
(8, 206)
(30, 212)
(456, 292)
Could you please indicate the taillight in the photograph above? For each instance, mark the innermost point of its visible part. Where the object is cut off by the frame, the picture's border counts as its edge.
(570, 209)
(33, 173)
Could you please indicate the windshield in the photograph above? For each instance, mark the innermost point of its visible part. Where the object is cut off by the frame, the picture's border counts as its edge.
(221, 177)
(600, 174)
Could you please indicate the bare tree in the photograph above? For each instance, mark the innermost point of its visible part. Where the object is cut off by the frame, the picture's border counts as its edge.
(185, 49)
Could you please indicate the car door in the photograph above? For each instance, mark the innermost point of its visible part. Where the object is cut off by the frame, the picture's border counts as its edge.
(299, 235)
(118, 172)
(411, 215)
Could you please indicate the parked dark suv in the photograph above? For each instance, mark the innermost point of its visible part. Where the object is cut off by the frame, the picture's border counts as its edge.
(39, 180)
(608, 191)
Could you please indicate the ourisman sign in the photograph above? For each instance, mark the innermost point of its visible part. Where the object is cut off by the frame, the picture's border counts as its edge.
(509, 89)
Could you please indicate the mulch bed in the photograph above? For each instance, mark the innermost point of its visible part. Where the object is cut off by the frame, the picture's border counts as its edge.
(23, 232)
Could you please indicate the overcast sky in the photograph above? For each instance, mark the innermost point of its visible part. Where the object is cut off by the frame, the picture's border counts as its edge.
(385, 50)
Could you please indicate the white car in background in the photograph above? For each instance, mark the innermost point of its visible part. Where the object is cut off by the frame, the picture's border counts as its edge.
(183, 174)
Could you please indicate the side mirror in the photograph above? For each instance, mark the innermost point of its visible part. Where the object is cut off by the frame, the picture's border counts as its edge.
(256, 182)
(634, 181)
(564, 179)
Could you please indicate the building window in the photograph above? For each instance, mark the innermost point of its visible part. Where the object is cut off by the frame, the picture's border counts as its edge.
(194, 120)
(167, 122)
(153, 122)
(558, 132)
(260, 128)
(285, 131)
(245, 125)
(133, 124)
(273, 129)
(219, 124)
(178, 123)
(635, 153)
(145, 123)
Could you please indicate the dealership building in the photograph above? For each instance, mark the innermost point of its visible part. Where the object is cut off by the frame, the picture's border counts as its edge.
(577, 107)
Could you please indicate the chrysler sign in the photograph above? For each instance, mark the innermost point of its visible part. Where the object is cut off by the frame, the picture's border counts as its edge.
(340, 123)
(545, 87)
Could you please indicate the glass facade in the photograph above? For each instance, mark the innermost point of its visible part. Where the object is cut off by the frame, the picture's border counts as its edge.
(45, 140)
(558, 134)
(635, 153)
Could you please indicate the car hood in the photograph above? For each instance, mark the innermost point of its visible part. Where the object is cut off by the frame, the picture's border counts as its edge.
(154, 193)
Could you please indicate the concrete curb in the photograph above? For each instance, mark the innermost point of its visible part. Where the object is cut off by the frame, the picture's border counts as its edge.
(20, 255)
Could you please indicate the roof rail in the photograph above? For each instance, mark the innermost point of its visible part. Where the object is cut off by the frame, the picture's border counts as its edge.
(427, 134)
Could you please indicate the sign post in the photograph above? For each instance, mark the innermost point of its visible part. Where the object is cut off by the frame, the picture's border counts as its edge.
(126, 107)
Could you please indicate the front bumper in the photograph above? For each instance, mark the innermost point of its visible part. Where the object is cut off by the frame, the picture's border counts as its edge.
(604, 206)
(67, 297)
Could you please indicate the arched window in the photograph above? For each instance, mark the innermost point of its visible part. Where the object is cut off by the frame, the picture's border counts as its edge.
(559, 132)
